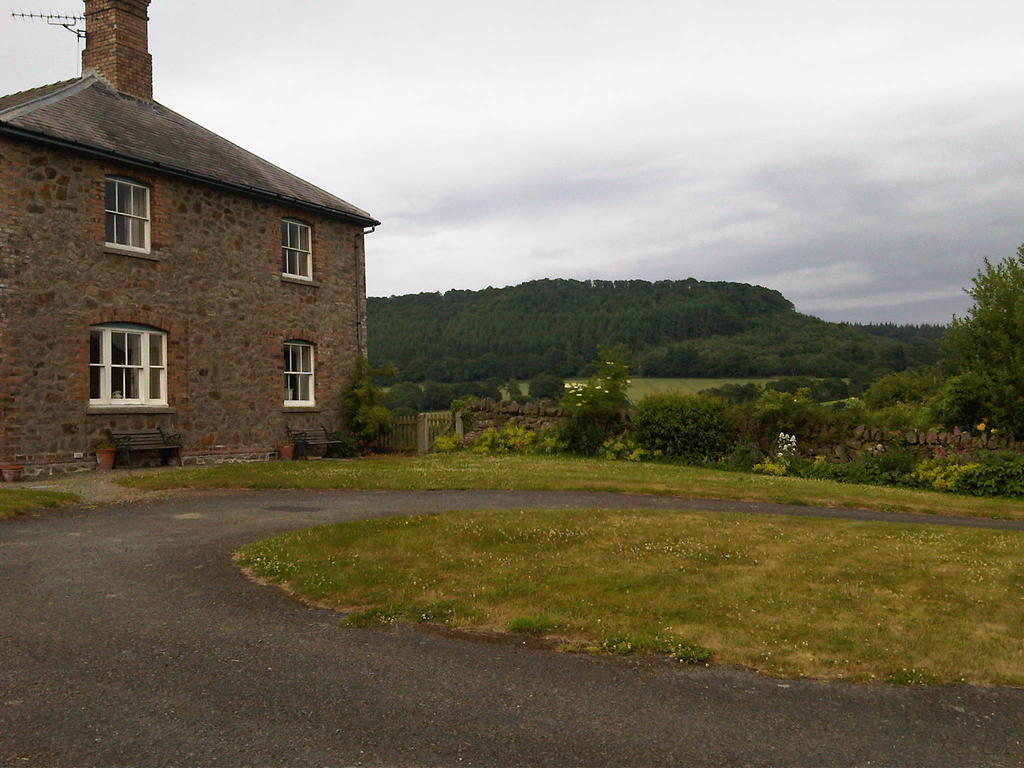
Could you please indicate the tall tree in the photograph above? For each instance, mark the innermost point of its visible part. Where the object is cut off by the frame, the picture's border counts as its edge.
(986, 350)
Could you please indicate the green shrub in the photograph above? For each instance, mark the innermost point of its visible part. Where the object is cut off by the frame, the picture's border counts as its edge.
(995, 474)
(941, 473)
(782, 456)
(625, 448)
(544, 386)
(511, 438)
(892, 467)
(346, 448)
(773, 412)
(447, 443)
(771, 467)
(912, 386)
(692, 427)
(549, 442)
(597, 408)
(364, 404)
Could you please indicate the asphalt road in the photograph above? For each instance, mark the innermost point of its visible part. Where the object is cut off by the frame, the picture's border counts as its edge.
(128, 638)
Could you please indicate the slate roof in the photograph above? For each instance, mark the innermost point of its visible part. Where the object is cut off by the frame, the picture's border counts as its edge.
(88, 114)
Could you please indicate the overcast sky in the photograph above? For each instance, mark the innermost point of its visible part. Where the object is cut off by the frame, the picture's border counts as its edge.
(860, 157)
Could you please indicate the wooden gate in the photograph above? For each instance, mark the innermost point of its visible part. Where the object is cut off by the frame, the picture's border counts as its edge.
(417, 433)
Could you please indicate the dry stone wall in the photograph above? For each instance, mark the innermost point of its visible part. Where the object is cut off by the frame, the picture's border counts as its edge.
(536, 417)
(864, 440)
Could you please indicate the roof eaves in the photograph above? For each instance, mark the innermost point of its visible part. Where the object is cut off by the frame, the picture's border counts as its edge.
(24, 133)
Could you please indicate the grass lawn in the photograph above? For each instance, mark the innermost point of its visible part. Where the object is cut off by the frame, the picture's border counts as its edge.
(14, 502)
(787, 596)
(467, 470)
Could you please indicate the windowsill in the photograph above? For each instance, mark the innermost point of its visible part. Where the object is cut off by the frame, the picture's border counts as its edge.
(301, 409)
(113, 250)
(125, 410)
(300, 280)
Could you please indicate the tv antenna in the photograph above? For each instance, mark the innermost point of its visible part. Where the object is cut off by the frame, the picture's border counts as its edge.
(70, 23)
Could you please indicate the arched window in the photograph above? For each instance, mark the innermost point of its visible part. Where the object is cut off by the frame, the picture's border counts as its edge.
(127, 210)
(296, 249)
(299, 386)
(127, 365)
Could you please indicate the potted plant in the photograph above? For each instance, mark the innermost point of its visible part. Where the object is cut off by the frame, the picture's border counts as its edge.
(105, 453)
(12, 472)
(286, 450)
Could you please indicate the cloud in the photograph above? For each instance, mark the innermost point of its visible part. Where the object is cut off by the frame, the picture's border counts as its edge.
(862, 158)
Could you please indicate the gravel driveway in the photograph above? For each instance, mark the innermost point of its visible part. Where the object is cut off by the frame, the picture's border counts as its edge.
(128, 638)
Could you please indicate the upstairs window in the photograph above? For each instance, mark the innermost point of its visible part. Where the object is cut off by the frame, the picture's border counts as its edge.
(127, 210)
(298, 373)
(127, 365)
(296, 252)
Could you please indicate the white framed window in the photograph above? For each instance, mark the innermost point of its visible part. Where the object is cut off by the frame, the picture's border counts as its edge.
(127, 365)
(296, 249)
(127, 210)
(299, 386)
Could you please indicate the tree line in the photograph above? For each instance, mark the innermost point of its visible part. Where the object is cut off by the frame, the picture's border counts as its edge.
(676, 328)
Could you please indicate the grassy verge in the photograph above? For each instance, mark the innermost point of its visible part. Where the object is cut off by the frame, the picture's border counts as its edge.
(464, 470)
(17, 502)
(787, 596)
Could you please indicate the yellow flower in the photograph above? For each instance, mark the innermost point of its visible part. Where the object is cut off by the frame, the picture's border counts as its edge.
(981, 427)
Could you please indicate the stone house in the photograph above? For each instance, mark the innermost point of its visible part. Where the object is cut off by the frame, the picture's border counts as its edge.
(153, 274)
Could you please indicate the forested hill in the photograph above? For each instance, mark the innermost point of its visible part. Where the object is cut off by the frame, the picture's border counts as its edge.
(674, 327)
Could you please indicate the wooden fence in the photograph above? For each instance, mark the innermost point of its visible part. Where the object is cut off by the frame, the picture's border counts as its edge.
(417, 433)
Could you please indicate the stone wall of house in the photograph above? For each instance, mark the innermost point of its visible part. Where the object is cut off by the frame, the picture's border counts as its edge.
(212, 282)
(537, 417)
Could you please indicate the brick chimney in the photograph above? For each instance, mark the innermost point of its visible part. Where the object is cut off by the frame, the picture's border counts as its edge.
(117, 45)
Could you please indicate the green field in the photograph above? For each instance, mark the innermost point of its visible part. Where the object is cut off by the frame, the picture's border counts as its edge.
(640, 388)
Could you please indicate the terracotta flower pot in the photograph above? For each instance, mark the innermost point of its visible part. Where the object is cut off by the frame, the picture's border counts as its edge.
(12, 472)
(286, 451)
(105, 458)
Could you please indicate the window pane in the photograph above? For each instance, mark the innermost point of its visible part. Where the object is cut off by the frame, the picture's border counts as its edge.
(307, 359)
(302, 268)
(118, 348)
(137, 233)
(303, 238)
(95, 382)
(156, 350)
(120, 230)
(284, 233)
(155, 384)
(96, 346)
(290, 386)
(117, 383)
(139, 195)
(111, 227)
(304, 387)
(131, 383)
(124, 198)
(111, 202)
(134, 348)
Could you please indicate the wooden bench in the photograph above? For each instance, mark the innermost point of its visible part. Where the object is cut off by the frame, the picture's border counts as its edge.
(303, 438)
(147, 440)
